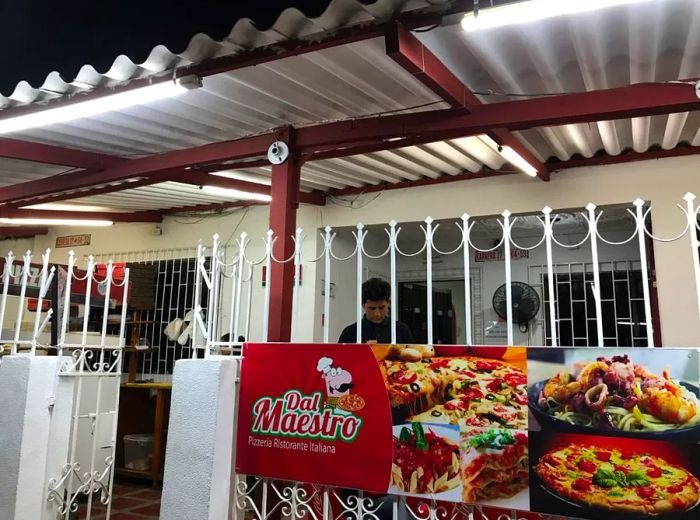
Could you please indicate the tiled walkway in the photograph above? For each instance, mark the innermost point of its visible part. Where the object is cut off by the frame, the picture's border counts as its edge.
(131, 502)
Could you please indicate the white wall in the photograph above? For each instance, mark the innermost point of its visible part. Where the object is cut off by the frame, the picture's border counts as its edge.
(663, 182)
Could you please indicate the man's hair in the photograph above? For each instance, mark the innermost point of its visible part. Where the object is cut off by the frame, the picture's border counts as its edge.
(375, 289)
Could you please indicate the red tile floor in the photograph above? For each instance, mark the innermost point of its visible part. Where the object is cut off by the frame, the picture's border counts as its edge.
(131, 502)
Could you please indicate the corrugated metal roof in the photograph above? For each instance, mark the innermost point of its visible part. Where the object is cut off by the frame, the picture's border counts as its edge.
(158, 196)
(13, 171)
(612, 47)
(641, 42)
(336, 83)
(291, 24)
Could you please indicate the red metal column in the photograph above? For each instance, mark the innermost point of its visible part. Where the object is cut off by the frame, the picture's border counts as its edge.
(283, 221)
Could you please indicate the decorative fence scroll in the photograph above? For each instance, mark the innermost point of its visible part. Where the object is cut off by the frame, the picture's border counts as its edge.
(241, 268)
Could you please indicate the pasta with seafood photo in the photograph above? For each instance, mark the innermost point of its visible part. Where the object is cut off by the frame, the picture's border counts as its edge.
(618, 396)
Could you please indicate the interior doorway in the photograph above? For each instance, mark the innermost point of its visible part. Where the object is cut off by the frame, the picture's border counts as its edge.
(413, 312)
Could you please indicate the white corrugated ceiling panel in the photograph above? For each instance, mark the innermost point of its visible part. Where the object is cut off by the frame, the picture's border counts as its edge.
(291, 24)
(336, 83)
(158, 196)
(641, 42)
(13, 171)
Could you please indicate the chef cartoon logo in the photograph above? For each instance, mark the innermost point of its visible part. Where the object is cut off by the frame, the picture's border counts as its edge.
(302, 415)
(339, 386)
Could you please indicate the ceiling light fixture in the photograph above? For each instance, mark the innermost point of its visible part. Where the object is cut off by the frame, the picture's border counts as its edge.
(57, 206)
(235, 194)
(99, 105)
(55, 222)
(533, 10)
(510, 155)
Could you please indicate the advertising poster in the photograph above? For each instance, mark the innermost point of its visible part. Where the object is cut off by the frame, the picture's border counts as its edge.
(307, 413)
(585, 433)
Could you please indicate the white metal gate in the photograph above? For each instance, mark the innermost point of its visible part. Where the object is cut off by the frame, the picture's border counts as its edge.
(91, 361)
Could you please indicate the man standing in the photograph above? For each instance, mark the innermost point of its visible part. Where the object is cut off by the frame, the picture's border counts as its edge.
(376, 324)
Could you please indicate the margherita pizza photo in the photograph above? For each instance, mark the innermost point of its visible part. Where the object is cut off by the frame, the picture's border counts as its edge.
(466, 390)
(615, 480)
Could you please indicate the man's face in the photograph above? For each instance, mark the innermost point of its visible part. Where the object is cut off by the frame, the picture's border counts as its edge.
(376, 310)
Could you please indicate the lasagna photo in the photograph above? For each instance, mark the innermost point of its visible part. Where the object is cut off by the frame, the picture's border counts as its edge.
(494, 467)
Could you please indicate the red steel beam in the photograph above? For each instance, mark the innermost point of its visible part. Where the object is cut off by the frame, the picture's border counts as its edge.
(57, 155)
(643, 99)
(283, 217)
(139, 216)
(22, 231)
(394, 131)
(406, 50)
(144, 167)
(629, 156)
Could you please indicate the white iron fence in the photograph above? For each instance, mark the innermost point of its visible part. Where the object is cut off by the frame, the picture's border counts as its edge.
(231, 283)
(91, 360)
(237, 308)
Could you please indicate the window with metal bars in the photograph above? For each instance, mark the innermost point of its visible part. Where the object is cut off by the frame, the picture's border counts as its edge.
(174, 298)
(622, 302)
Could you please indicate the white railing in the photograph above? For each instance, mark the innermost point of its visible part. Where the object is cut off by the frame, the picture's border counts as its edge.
(241, 268)
(260, 499)
(93, 361)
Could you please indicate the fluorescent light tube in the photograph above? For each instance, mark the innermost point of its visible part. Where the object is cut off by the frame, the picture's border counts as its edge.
(98, 105)
(57, 206)
(235, 194)
(510, 155)
(55, 222)
(533, 10)
(517, 160)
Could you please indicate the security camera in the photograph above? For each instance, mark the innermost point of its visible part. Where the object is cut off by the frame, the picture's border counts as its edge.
(278, 152)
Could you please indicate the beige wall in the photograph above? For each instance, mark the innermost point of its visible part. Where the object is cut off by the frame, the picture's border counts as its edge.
(663, 182)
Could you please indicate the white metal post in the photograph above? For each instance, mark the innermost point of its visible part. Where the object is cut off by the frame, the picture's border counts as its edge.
(295, 292)
(693, 232)
(359, 238)
(242, 245)
(429, 275)
(392, 276)
(641, 236)
(22, 294)
(9, 261)
(593, 225)
(327, 240)
(467, 280)
(509, 290)
(266, 278)
(40, 300)
(196, 303)
(548, 231)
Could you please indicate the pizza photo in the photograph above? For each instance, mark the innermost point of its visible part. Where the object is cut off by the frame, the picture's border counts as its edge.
(425, 459)
(616, 395)
(494, 466)
(459, 390)
(618, 480)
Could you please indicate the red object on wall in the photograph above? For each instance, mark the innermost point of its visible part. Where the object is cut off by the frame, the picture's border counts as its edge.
(33, 303)
(291, 426)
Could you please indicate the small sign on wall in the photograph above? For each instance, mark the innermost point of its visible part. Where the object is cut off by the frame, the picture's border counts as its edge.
(499, 256)
(73, 241)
